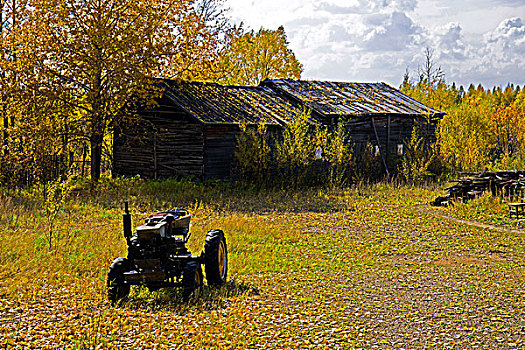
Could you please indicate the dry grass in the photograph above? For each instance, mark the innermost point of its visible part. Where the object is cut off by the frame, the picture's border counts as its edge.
(361, 268)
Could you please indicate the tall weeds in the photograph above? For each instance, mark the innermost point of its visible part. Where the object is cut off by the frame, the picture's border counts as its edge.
(339, 156)
(417, 159)
(295, 152)
(253, 152)
(302, 155)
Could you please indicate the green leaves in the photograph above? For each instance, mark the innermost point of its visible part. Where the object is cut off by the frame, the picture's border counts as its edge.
(295, 151)
(253, 154)
(301, 154)
(417, 158)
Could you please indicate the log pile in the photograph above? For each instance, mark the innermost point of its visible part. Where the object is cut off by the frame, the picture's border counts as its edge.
(508, 183)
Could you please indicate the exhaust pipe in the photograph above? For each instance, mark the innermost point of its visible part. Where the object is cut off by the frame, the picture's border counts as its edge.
(126, 222)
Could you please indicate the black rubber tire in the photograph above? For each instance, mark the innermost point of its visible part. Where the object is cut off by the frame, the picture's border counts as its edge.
(215, 258)
(117, 290)
(192, 281)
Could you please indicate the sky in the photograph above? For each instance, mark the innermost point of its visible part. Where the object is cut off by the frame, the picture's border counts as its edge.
(473, 41)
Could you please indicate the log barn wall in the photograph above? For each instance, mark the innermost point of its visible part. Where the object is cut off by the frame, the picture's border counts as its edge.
(164, 144)
(391, 132)
(375, 114)
(220, 144)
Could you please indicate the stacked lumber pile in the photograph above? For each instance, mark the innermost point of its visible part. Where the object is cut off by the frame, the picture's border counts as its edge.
(509, 183)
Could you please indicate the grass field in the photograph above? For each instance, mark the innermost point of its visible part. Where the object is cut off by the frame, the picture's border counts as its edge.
(369, 267)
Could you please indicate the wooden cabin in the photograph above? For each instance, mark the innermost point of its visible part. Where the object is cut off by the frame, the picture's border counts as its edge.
(193, 131)
(374, 113)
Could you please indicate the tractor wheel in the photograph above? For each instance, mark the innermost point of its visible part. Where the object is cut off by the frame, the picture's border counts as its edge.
(116, 288)
(215, 258)
(192, 281)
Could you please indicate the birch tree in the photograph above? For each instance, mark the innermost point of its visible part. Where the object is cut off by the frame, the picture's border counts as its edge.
(93, 60)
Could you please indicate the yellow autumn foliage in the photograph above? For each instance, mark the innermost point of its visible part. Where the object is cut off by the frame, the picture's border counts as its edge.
(481, 128)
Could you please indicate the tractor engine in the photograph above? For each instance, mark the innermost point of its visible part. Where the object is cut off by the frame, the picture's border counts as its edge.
(160, 241)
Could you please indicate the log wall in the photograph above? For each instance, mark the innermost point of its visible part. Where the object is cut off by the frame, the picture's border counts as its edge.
(220, 142)
(166, 143)
(391, 132)
(219, 149)
(171, 143)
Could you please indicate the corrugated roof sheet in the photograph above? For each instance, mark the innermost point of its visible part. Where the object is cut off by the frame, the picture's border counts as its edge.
(214, 103)
(350, 99)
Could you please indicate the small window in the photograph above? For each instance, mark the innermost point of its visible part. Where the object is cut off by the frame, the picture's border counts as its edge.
(400, 149)
(377, 151)
(318, 153)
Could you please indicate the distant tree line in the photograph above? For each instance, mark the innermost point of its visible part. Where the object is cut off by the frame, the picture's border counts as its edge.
(483, 128)
(73, 70)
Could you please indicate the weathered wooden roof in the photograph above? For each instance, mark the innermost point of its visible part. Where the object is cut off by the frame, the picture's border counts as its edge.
(276, 102)
(214, 103)
(350, 99)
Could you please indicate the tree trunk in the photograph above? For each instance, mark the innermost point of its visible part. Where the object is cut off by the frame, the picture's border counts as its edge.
(96, 155)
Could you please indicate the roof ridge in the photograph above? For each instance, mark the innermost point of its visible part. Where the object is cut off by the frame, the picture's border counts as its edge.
(324, 98)
(209, 83)
(266, 81)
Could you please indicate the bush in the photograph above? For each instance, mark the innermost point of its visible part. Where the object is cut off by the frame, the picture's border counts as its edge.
(303, 155)
(295, 151)
(338, 155)
(253, 153)
(417, 159)
(367, 165)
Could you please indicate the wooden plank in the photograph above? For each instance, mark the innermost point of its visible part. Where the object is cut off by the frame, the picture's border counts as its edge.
(379, 146)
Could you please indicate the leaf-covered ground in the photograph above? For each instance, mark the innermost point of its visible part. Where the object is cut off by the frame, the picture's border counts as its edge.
(373, 269)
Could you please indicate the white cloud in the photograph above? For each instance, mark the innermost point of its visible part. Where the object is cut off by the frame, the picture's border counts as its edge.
(503, 53)
(358, 40)
(496, 59)
(508, 37)
(390, 32)
(338, 33)
(448, 42)
(402, 5)
(342, 7)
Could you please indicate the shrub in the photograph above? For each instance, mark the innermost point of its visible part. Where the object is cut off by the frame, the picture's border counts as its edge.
(338, 155)
(295, 151)
(302, 155)
(367, 165)
(253, 153)
(417, 159)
